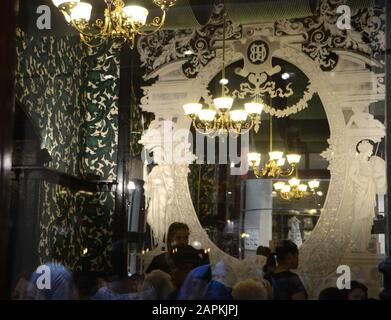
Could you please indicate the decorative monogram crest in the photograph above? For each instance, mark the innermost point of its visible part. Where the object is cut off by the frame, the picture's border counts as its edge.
(258, 52)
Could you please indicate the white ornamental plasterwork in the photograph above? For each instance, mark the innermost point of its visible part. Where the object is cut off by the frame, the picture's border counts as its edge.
(321, 38)
(167, 46)
(324, 249)
(257, 53)
(381, 84)
(256, 81)
(329, 243)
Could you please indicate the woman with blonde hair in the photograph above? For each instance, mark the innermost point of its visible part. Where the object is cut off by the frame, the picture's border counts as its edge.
(160, 282)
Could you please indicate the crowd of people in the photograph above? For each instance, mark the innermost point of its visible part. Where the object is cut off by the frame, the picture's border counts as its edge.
(185, 273)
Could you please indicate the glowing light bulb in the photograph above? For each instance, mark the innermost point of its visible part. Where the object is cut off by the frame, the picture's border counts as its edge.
(82, 11)
(136, 14)
(254, 157)
(253, 107)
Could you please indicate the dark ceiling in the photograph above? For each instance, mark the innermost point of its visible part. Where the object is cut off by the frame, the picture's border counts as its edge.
(185, 14)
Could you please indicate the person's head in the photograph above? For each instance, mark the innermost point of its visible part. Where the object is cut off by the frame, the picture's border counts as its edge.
(263, 251)
(177, 235)
(287, 254)
(184, 259)
(357, 291)
(161, 283)
(252, 289)
(331, 294)
(270, 261)
(365, 147)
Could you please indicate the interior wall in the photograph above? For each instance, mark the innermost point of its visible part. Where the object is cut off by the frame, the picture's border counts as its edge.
(71, 93)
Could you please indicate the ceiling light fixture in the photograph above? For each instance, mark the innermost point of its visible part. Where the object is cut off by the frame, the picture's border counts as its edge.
(221, 119)
(275, 166)
(121, 23)
(295, 189)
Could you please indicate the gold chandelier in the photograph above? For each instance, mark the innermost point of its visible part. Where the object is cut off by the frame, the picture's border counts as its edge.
(275, 166)
(122, 23)
(294, 189)
(221, 119)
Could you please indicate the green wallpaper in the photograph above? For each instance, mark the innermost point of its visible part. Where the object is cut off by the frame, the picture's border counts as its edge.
(48, 78)
(100, 124)
(71, 93)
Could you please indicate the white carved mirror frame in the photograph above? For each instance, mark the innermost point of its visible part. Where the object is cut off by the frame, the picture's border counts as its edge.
(349, 84)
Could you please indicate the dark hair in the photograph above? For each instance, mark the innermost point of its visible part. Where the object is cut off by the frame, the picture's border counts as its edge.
(263, 251)
(187, 255)
(173, 228)
(284, 248)
(331, 294)
(354, 285)
(364, 140)
(358, 285)
(270, 261)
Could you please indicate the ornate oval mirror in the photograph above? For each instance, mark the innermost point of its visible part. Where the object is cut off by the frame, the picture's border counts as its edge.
(242, 212)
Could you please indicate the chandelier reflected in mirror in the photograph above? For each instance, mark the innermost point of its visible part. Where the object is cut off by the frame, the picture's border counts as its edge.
(219, 118)
(295, 189)
(121, 23)
(276, 165)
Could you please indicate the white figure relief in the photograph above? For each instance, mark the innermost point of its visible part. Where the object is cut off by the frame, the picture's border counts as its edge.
(159, 188)
(294, 231)
(368, 177)
(362, 119)
(160, 184)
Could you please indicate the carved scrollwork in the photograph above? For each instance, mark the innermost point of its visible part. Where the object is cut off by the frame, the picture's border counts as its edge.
(322, 36)
(323, 250)
(167, 46)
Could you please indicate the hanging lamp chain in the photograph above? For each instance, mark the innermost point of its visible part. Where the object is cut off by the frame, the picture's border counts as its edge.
(223, 71)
